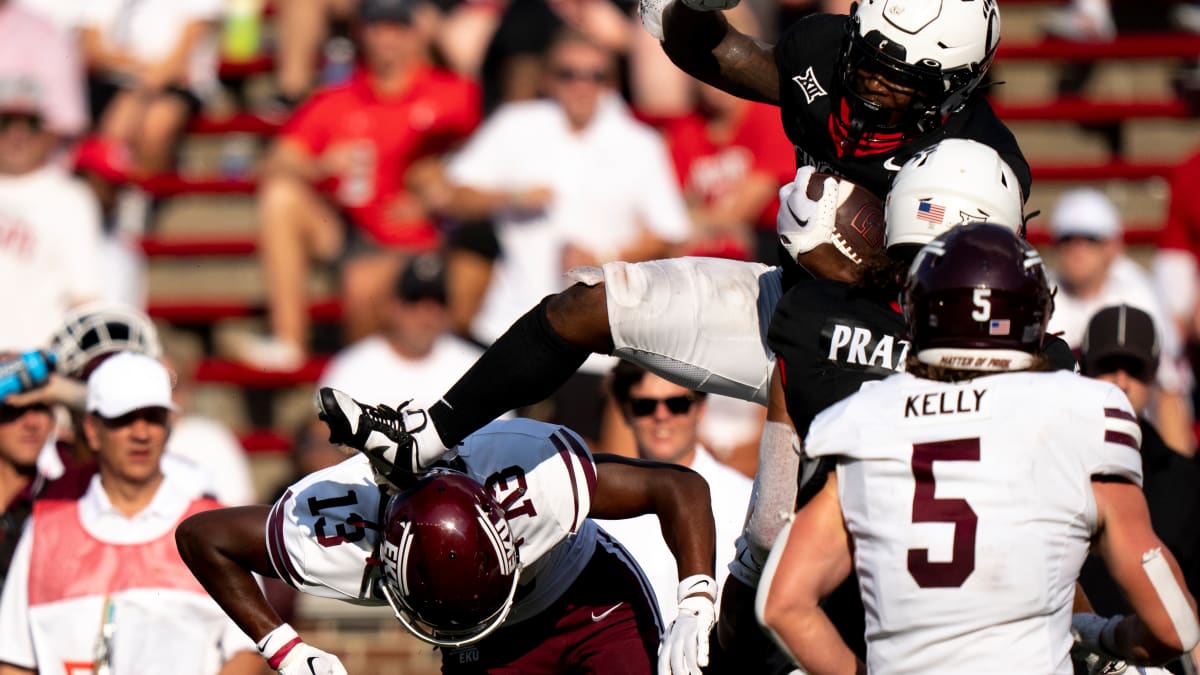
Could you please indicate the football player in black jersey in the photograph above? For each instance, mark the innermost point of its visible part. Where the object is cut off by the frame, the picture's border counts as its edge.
(965, 180)
(859, 94)
(867, 92)
(829, 337)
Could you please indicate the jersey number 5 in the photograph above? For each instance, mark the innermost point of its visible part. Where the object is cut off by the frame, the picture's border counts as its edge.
(929, 509)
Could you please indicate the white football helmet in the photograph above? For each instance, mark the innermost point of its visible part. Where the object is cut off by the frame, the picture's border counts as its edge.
(98, 328)
(940, 48)
(951, 183)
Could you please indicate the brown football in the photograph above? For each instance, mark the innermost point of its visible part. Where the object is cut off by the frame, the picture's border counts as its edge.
(858, 225)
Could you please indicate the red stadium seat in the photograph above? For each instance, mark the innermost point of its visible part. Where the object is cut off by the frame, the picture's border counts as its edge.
(209, 311)
(221, 371)
(1128, 46)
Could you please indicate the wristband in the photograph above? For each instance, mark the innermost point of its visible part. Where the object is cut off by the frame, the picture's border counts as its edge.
(277, 644)
(697, 584)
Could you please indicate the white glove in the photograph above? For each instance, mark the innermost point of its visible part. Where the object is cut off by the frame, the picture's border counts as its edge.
(652, 16)
(305, 659)
(711, 5)
(802, 223)
(684, 649)
(286, 653)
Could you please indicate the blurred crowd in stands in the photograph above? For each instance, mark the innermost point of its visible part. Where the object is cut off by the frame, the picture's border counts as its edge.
(449, 161)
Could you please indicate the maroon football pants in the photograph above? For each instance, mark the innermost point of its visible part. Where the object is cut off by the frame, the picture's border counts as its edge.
(606, 623)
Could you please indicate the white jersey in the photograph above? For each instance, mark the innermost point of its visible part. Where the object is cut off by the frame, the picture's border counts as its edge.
(49, 253)
(323, 533)
(971, 509)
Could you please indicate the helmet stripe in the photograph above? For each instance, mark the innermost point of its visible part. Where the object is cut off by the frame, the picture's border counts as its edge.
(500, 544)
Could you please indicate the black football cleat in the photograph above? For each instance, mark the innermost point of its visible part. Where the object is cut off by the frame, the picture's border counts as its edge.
(382, 433)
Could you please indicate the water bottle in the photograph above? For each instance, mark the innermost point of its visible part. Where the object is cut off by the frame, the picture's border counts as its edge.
(242, 33)
(25, 371)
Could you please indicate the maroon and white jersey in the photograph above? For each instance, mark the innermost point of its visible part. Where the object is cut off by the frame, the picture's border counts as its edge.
(322, 534)
(971, 509)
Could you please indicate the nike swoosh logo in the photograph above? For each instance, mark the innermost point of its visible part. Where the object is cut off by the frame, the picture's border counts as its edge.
(311, 669)
(890, 164)
(610, 610)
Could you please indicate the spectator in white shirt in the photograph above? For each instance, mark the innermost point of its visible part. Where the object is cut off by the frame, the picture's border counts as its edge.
(415, 355)
(49, 223)
(1092, 272)
(570, 180)
(665, 420)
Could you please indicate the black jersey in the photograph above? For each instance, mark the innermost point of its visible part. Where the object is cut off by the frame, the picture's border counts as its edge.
(809, 98)
(829, 338)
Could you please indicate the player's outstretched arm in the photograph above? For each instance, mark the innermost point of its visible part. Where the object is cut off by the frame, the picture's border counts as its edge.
(626, 488)
(811, 558)
(223, 548)
(1164, 623)
(705, 46)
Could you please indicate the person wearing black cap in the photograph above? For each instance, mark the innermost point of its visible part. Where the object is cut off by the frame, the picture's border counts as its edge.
(1121, 346)
(414, 347)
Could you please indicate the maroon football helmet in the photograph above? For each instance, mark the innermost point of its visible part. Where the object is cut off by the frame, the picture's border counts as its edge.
(449, 562)
(977, 299)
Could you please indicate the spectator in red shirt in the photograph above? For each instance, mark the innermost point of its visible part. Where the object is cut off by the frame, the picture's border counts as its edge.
(342, 160)
(1175, 263)
(731, 156)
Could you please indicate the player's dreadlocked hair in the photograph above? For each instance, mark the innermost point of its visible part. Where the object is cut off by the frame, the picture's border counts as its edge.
(882, 272)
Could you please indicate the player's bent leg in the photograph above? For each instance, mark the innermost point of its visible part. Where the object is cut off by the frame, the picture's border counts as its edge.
(526, 364)
(699, 322)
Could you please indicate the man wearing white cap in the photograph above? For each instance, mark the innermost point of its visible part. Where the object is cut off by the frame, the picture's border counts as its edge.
(97, 584)
(1092, 272)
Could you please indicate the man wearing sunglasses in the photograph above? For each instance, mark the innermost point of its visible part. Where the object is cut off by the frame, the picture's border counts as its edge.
(24, 431)
(98, 581)
(665, 421)
(1092, 271)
